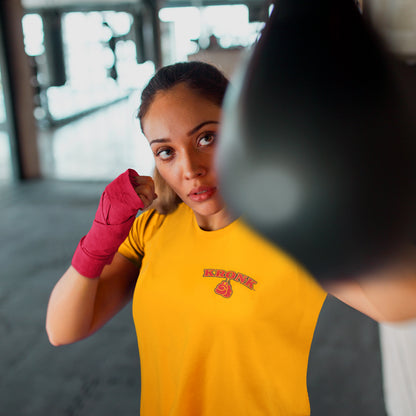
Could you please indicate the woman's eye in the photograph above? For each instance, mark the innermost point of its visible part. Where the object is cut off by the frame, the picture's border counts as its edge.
(207, 139)
(164, 154)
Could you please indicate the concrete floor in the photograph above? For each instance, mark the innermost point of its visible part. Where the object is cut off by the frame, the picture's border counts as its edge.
(40, 225)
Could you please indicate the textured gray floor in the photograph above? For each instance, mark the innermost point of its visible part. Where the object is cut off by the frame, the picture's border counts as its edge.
(40, 225)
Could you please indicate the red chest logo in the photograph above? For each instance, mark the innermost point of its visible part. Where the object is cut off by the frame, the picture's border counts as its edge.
(224, 288)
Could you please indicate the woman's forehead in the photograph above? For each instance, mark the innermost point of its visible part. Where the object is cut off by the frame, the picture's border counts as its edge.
(179, 91)
(178, 109)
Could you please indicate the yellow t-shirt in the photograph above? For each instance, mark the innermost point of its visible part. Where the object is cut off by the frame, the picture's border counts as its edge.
(224, 320)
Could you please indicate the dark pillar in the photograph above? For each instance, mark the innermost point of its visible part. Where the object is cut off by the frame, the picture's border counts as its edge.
(157, 43)
(258, 12)
(54, 49)
(147, 34)
(141, 52)
(18, 92)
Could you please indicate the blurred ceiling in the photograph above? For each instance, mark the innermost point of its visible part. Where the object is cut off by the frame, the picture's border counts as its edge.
(394, 19)
(105, 4)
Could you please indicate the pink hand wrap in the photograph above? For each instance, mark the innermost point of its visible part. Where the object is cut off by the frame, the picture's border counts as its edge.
(116, 212)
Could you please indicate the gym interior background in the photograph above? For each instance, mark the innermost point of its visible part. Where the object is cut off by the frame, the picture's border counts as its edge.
(71, 72)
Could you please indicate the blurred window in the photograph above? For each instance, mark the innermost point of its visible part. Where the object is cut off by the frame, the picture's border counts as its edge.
(100, 63)
(194, 26)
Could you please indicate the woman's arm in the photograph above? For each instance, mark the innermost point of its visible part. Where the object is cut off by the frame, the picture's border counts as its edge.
(100, 281)
(79, 306)
(386, 295)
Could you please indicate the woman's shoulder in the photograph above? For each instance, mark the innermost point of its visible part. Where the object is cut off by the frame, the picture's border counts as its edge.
(150, 221)
(144, 228)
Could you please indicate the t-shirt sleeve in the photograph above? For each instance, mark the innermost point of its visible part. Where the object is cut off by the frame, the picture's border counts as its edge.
(143, 228)
(310, 297)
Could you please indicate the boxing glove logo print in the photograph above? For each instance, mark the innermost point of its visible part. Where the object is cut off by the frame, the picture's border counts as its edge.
(224, 288)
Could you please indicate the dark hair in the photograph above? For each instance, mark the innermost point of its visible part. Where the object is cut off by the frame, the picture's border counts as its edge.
(201, 77)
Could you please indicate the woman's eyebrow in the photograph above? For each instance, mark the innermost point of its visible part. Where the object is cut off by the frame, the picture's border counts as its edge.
(195, 129)
(190, 132)
(159, 141)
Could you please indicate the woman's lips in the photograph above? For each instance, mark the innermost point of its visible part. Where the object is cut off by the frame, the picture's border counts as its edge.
(202, 193)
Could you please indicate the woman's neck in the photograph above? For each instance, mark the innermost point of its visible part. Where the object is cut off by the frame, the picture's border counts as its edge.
(215, 221)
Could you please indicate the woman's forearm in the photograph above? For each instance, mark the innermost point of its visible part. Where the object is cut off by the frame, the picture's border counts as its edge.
(79, 306)
(387, 294)
(71, 308)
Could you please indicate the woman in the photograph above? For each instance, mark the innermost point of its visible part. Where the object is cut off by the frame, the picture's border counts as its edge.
(224, 320)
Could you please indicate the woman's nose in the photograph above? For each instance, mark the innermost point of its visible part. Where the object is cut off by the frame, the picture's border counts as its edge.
(193, 167)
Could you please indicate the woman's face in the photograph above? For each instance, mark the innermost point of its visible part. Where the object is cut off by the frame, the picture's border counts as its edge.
(181, 127)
